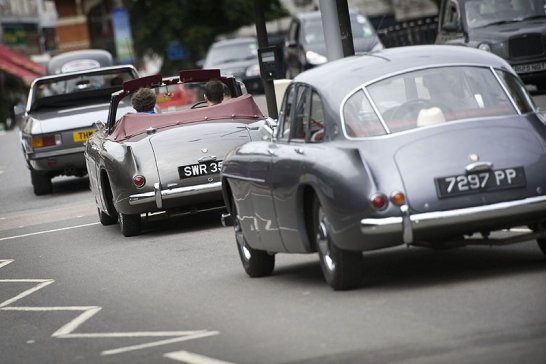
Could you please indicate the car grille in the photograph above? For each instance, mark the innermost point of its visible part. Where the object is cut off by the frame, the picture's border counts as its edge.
(529, 45)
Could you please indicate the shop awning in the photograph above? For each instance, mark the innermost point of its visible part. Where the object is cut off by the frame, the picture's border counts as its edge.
(19, 66)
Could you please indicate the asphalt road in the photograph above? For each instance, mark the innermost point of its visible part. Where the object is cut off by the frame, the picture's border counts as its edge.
(73, 291)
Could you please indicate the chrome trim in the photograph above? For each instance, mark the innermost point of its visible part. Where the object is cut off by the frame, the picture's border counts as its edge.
(249, 179)
(159, 195)
(407, 224)
(479, 166)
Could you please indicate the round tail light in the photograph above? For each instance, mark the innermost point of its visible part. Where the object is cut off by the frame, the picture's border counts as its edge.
(379, 201)
(398, 198)
(139, 181)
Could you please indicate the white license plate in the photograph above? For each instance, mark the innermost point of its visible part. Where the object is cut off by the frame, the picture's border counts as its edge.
(200, 169)
(498, 179)
(528, 68)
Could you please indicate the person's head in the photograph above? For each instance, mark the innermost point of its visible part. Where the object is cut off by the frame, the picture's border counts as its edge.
(227, 93)
(214, 92)
(144, 100)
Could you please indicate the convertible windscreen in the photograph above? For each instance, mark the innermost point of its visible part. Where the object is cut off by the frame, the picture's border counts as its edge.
(431, 96)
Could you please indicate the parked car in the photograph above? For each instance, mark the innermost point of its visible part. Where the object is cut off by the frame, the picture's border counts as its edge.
(237, 57)
(305, 47)
(60, 114)
(381, 159)
(79, 60)
(141, 163)
(512, 29)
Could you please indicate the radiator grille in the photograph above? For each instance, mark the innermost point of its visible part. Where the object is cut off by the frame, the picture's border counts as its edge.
(529, 45)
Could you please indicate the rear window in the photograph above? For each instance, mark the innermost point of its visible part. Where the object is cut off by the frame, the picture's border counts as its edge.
(425, 97)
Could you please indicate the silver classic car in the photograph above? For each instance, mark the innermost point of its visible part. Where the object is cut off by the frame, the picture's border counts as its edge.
(433, 146)
(60, 115)
(170, 160)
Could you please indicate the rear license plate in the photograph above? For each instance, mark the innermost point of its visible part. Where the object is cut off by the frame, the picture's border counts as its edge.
(498, 179)
(528, 68)
(200, 169)
(82, 135)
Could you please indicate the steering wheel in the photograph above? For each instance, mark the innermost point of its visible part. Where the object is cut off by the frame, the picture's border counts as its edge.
(199, 104)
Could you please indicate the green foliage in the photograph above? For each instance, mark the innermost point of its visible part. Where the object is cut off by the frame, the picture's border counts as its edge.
(195, 24)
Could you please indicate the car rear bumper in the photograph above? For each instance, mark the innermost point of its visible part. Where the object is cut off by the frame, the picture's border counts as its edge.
(159, 198)
(58, 160)
(408, 225)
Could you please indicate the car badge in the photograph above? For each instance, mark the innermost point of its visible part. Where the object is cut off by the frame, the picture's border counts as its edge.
(204, 150)
(473, 157)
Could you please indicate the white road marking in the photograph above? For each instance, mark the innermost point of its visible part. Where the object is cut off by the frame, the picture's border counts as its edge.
(158, 343)
(42, 284)
(48, 231)
(67, 330)
(191, 358)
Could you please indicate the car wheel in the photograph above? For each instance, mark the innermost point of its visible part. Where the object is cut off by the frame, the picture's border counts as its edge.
(41, 182)
(257, 263)
(106, 219)
(130, 224)
(542, 245)
(342, 269)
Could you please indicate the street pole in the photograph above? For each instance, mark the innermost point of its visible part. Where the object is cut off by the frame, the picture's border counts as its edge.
(345, 28)
(261, 33)
(332, 34)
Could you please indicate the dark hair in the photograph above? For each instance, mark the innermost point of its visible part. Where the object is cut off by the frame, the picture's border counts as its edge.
(143, 100)
(214, 91)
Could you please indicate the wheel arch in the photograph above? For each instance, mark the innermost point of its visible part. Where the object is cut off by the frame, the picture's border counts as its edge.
(308, 196)
(106, 193)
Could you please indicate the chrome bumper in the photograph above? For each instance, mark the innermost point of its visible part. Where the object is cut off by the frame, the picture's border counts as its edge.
(159, 195)
(407, 224)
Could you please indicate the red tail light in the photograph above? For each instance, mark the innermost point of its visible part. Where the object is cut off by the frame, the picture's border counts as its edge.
(139, 181)
(379, 201)
(46, 140)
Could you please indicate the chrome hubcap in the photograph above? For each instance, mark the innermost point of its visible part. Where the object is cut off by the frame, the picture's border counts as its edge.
(240, 239)
(323, 244)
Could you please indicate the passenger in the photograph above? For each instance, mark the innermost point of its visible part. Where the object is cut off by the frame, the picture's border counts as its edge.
(214, 92)
(227, 93)
(144, 101)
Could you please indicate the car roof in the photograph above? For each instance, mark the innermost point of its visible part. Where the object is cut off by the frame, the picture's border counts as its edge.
(232, 41)
(338, 78)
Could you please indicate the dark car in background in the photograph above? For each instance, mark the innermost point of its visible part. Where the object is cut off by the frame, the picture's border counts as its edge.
(60, 115)
(512, 29)
(305, 47)
(237, 57)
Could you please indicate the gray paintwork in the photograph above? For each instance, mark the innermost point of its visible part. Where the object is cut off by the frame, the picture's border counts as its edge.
(272, 183)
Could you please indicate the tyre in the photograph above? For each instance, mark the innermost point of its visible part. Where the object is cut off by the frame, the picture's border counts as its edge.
(542, 245)
(256, 263)
(342, 269)
(130, 224)
(106, 219)
(41, 183)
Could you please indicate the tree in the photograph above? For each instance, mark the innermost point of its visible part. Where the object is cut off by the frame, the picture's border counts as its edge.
(194, 24)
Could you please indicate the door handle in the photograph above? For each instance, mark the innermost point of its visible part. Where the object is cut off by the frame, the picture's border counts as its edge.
(270, 151)
(299, 151)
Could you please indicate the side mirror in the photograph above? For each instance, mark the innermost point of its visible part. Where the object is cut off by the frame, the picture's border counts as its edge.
(454, 26)
(200, 63)
(19, 110)
(271, 129)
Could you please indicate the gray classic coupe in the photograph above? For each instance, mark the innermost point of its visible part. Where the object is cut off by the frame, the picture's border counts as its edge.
(170, 160)
(433, 146)
(60, 115)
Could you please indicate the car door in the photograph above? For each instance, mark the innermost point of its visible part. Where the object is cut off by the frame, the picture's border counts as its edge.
(287, 162)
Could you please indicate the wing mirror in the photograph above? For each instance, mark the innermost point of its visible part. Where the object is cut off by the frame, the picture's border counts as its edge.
(271, 129)
(100, 125)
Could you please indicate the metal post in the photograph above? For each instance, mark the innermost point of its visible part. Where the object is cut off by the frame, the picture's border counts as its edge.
(332, 34)
(345, 28)
(261, 33)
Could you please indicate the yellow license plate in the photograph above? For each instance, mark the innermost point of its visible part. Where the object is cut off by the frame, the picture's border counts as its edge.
(83, 135)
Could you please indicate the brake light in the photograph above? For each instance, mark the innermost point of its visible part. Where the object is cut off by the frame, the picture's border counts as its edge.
(46, 140)
(379, 201)
(139, 181)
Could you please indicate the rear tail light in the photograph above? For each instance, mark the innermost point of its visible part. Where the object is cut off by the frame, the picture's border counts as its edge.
(398, 198)
(379, 201)
(46, 140)
(139, 181)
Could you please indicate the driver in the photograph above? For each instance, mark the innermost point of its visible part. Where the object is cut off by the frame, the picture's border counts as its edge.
(214, 92)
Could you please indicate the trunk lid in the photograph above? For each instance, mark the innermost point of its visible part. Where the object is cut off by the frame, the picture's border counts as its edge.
(506, 158)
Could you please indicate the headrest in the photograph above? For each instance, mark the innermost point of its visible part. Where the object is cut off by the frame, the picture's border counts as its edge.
(430, 116)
